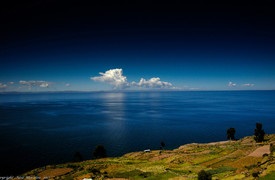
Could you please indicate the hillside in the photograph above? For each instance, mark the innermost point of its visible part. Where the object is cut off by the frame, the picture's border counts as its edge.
(242, 159)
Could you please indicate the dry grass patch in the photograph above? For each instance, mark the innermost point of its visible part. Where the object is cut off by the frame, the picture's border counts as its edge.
(54, 172)
(246, 162)
(225, 159)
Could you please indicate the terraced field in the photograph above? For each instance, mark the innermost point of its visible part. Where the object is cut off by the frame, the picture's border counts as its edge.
(242, 159)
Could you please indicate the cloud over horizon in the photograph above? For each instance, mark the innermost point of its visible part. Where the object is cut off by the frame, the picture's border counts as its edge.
(152, 83)
(248, 85)
(42, 84)
(231, 84)
(116, 78)
(2, 86)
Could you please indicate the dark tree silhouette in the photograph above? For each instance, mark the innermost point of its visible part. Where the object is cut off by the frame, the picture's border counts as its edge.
(78, 157)
(162, 145)
(100, 152)
(203, 175)
(231, 133)
(259, 133)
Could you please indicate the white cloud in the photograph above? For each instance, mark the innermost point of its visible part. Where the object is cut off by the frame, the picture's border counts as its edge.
(248, 85)
(43, 84)
(2, 86)
(154, 82)
(114, 77)
(67, 84)
(11, 83)
(28, 83)
(231, 84)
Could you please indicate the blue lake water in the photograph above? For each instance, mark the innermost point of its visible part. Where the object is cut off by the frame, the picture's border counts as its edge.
(48, 128)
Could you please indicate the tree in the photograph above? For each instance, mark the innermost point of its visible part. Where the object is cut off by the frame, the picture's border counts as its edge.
(78, 157)
(100, 152)
(203, 175)
(162, 145)
(259, 133)
(231, 133)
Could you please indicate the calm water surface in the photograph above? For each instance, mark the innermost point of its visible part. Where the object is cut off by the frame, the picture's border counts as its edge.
(48, 128)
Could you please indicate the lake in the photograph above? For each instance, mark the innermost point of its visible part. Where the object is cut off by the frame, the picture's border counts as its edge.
(37, 129)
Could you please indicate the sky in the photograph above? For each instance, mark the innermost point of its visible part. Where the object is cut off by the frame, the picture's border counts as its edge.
(136, 45)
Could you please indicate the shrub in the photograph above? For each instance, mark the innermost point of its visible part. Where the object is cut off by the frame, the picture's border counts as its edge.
(162, 144)
(78, 157)
(203, 175)
(100, 152)
(94, 171)
(255, 174)
(259, 133)
(231, 133)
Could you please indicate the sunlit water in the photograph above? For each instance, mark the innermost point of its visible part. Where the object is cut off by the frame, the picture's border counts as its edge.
(48, 128)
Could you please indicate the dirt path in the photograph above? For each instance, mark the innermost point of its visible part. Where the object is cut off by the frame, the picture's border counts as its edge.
(259, 152)
(217, 143)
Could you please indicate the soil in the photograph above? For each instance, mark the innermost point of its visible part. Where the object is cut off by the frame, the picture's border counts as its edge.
(259, 152)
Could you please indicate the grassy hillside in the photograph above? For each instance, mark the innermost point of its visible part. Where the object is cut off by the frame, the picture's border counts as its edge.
(242, 159)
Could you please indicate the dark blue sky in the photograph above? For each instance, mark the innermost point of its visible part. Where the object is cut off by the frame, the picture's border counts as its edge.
(204, 45)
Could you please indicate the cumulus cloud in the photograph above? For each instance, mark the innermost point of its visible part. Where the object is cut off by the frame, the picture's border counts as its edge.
(3, 86)
(231, 84)
(248, 85)
(154, 82)
(42, 84)
(114, 77)
(67, 84)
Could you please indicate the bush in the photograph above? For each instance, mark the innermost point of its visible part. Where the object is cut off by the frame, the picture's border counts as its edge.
(78, 157)
(259, 133)
(100, 152)
(203, 175)
(162, 144)
(231, 133)
(255, 174)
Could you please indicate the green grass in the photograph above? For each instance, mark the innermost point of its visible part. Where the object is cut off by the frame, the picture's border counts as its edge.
(162, 176)
(270, 176)
(136, 174)
(221, 170)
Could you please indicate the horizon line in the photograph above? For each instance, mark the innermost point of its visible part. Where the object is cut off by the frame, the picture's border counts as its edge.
(115, 91)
